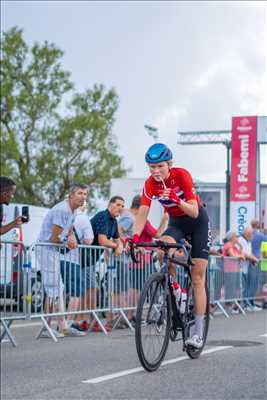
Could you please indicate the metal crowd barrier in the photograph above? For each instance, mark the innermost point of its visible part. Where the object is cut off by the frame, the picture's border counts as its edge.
(89, 281)
(48, 282)
(230, 288)
(14, 276)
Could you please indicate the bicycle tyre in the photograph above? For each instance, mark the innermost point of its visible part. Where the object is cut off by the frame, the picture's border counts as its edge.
(156, 278)
(191, 351)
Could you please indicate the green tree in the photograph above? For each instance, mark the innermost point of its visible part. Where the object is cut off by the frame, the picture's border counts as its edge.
(47, 143)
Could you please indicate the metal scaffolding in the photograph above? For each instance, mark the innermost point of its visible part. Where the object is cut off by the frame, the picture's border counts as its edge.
(212, 137)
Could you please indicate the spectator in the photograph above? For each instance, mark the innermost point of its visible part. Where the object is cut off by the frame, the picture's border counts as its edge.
(258, 238)
(245, 265)
(264, 272)
(7, 191)
(138, 274)
(232, 249)
(105, 228)
(84, 231)
(57, 228)
(70, 267)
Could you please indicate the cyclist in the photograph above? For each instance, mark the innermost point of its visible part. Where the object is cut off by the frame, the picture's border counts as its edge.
(174, 189)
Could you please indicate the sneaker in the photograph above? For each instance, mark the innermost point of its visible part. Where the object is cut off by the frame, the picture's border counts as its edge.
(46, 334)
(97, 328)
(80, 327)
(235, 311)
(256, 308)
(85, 325)
(122, 325)
(70, 331)
(195, 341)
(133, 321)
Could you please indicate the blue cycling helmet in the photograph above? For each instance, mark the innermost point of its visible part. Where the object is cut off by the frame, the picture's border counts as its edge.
(157, 153)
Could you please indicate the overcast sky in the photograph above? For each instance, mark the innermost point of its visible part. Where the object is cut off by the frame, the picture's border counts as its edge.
(178, 66)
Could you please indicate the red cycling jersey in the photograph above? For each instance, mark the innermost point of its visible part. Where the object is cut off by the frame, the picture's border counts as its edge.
(181, 181)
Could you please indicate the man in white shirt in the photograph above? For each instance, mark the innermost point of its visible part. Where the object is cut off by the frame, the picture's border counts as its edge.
(57, 229)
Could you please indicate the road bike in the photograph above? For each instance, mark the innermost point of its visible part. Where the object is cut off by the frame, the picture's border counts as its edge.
(159, 318)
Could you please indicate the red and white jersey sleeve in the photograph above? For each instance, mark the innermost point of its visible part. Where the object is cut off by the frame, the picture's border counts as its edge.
(147, 194)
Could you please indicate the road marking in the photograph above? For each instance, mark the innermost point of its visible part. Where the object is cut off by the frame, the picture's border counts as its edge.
(140, 369)
(264, 335)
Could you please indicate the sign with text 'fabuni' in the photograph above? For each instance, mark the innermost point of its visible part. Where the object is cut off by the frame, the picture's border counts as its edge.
(243, 172)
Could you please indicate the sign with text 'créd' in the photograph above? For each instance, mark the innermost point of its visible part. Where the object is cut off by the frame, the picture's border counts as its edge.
(243, 172)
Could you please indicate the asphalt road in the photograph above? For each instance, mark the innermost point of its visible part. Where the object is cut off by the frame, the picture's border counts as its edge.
(233, 366)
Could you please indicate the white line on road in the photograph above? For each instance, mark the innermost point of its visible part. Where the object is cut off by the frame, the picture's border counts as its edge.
(139, 369)
(264, 335)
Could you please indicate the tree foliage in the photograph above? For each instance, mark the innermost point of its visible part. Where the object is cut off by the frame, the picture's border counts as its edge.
(48, 143)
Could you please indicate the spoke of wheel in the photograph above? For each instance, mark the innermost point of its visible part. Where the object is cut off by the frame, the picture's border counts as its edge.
(153, 334)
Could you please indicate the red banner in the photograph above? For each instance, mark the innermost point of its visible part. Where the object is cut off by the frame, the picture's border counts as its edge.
(244, 150)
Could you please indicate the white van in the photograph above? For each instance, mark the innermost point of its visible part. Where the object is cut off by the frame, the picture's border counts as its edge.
(30, 230)
(11, 257)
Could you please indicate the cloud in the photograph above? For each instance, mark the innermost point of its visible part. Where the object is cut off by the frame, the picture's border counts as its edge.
(170, 116)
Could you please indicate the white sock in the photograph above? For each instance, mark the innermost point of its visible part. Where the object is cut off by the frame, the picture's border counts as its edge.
(199, 319)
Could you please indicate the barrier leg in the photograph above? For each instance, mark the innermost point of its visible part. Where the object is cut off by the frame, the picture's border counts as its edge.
(46, 327)
(99, 322)
(7, 332)
(239, 307)
(222, 309)
(126, 320)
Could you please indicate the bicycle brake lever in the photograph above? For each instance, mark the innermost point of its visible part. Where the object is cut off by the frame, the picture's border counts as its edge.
(132, 253)
(185, 243)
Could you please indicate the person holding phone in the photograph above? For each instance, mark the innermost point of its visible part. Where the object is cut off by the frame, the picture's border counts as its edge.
(7, 191)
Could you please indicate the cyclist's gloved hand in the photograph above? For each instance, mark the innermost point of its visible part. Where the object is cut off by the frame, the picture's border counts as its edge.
(136, 238)
(173, 197)
(128, 241)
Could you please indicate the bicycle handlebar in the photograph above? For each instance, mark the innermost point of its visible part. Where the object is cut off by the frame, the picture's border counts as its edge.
(160, 244)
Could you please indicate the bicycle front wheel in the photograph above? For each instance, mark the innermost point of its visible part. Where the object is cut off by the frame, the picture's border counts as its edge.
(153, 322)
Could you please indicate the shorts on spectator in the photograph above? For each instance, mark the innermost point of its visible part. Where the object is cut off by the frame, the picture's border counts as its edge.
(48, 259)
(120, 276)
(71, 276)
(90, 277)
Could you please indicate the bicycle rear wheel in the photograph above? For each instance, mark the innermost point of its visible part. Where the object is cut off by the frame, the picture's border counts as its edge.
(191, 351)
(153, 322)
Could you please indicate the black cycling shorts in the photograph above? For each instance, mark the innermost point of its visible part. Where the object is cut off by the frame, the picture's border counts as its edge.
(196, 228)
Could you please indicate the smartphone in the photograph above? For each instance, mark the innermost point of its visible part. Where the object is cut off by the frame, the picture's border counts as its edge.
(25, 214)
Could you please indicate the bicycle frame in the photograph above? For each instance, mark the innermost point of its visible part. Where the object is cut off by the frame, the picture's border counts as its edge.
(178, 321)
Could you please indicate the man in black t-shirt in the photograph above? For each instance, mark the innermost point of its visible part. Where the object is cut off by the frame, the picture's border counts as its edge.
(106, 234)
(7, 191)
